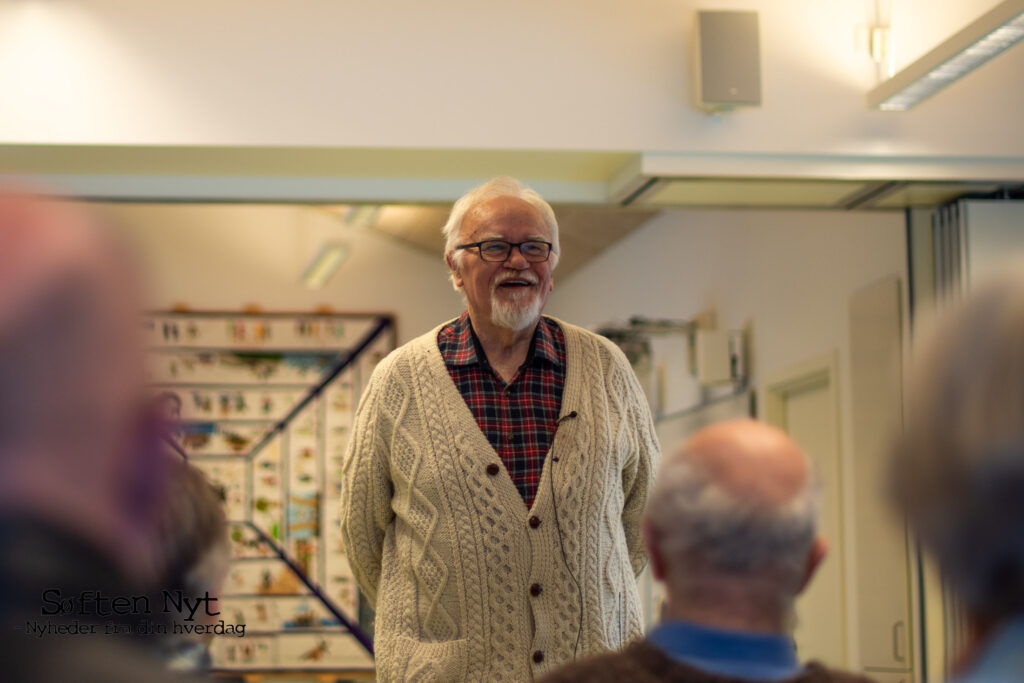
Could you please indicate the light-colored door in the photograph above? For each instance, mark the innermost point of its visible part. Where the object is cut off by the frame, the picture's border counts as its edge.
(804, 402)
(882, 561)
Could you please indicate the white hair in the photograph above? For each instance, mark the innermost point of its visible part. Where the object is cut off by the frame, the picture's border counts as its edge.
(502, 186)
(698, 523)
(959, 465)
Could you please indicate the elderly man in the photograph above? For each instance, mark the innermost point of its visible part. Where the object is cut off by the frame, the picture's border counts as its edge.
(959, 470)
(731, 530)
(498, 469)
(81, 476)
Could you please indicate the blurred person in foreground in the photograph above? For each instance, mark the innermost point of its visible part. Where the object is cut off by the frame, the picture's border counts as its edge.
(959, 469)
(731, 529)
(498, 469)
(81, 474)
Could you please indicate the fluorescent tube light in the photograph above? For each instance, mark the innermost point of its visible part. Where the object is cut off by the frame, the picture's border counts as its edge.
(324, 264)
(992, 34)
(362, 216)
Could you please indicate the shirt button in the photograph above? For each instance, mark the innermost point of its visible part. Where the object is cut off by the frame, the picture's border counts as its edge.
(538, 657)
(534, 522)
(493, 469)
(535, 590)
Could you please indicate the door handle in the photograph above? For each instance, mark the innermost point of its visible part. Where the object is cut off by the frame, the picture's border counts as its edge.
(898, 634)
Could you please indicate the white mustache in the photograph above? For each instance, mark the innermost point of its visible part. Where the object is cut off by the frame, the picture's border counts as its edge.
(525, 276)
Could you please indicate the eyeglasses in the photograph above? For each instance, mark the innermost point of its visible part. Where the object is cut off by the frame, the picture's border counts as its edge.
(534, 251)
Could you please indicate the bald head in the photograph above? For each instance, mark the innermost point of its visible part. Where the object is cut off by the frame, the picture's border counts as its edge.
(750, 461)
(736, 503)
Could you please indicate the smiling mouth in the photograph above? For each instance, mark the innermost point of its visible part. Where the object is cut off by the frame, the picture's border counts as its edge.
(512, 284)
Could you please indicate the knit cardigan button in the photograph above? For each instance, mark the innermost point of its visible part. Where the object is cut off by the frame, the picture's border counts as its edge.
(538, 657)
(535, 590)
(493, 469)
(534, 522)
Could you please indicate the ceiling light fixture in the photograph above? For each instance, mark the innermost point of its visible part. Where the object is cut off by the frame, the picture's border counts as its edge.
(324, 265)
(989, 36)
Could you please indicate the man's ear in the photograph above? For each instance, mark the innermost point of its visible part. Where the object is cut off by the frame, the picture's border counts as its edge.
(653, 552)
(454, 267)
(815, 556)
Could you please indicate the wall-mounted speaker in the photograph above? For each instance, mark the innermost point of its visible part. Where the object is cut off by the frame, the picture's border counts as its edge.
(728, 60)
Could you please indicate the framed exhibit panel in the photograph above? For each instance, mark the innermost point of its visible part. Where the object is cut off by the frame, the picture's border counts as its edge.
(264, 404)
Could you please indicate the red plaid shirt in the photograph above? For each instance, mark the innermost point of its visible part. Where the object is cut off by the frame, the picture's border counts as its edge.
(518, 418)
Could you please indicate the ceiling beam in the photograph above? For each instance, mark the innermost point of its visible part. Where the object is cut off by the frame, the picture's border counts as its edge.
(203, 188)
(867, 167)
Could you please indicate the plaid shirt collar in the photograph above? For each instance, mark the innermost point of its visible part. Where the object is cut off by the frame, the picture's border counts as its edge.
(465, 348)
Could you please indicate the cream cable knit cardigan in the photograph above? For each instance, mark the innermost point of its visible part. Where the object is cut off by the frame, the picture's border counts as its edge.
(447, 553)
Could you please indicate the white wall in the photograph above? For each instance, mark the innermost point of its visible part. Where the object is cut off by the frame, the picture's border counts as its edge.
(216, 257)
(532, 74)
(786, 275)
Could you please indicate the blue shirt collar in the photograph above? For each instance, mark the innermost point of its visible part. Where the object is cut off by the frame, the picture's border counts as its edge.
(757, 656)
(1002, 658)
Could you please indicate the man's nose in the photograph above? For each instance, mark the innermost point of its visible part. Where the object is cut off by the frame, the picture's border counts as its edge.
(517, 260)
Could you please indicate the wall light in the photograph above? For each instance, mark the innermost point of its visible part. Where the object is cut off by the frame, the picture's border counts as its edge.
(324, 264)
(992, 34)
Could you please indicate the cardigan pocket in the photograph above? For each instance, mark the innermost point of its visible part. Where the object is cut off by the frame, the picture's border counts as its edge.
(424, 662)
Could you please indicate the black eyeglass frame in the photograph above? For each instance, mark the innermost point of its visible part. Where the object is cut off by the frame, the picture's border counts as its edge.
(508, 249)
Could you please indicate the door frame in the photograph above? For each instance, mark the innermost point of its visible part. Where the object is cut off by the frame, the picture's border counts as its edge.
(778, 383)
(772, 394)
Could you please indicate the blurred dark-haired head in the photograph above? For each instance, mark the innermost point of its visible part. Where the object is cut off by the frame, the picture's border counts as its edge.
(959, 465)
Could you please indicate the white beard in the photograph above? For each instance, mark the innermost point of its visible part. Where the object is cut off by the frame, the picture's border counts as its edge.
(517, 314)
